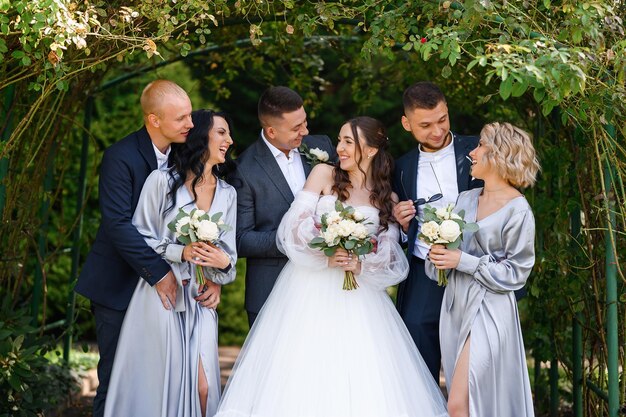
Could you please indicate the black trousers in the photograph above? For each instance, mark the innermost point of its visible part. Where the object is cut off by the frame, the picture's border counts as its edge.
(108, 326)
(419, 305)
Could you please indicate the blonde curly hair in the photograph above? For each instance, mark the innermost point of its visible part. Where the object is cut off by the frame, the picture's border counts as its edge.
(511, 152)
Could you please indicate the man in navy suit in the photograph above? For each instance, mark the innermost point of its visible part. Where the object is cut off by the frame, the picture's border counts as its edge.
(269, 174)
(434, 173)
(119, 255)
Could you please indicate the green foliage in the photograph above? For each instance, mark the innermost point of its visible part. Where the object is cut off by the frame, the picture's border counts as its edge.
(30, 383)
(555, 68)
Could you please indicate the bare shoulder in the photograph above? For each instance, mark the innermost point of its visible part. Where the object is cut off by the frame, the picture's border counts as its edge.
(320, 178)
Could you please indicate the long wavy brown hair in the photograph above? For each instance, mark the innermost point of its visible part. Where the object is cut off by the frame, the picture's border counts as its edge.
(372, 132)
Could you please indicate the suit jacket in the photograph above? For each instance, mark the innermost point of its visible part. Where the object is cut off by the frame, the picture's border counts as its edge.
(406, 169)
(263, 197)
(120, 255)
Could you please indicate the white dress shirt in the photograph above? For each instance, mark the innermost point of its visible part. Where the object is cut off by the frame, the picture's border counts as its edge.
(161, 157)
(435, 170)
(291, 166)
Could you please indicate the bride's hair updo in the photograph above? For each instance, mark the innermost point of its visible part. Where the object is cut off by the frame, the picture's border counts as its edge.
(371, 132)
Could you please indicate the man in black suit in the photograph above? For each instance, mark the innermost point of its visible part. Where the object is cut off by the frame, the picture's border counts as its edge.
(269, 173)
(119, 255)
(435, 172)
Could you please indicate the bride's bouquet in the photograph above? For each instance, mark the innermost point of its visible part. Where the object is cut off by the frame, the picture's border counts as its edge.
(442, 226)
(344, 228)
(198, 226)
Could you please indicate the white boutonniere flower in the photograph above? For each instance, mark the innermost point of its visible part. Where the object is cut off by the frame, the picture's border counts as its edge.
(314, 156)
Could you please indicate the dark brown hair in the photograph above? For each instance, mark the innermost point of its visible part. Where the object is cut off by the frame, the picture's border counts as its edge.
(422, 95)
(371, 132)
(276, 101)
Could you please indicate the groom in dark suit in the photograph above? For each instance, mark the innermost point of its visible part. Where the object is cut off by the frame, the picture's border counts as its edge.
(435, 172)
(269, 173)
(119, 255)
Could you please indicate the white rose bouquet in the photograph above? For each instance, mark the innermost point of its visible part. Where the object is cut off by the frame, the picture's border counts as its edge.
(344, 228)
(442, 226)
(198, 226)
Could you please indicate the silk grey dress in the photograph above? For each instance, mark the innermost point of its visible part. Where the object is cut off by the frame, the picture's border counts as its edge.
(155, 372)
(495, 261)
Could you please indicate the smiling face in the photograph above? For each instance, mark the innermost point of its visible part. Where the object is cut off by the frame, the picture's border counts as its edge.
(172, 122)
(430, 127)
(350, 151)
(480, 165)
(286, 132)
(219, 141)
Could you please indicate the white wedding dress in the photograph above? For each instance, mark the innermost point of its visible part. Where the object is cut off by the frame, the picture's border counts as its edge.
(317, 350)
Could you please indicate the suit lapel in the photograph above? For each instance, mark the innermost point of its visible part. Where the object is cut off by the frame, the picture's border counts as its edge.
(409, 182)
(268, 164)
(462, 164)
(146, 149)
(306, 165)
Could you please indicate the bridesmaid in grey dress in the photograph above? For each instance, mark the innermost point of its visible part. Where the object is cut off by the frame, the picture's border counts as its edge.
(481, 339)
(166, 363)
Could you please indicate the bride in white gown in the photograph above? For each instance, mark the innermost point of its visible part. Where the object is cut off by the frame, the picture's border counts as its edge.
(316, 349)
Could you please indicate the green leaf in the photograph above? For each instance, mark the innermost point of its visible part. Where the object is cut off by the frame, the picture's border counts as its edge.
(446, 71)
(317, 240)
(216, 217)
(505, 88)
(471, 227)
(350, 244)
(455, 244)
(330, 251)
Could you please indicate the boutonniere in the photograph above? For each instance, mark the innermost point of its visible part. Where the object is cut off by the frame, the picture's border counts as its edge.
(314, 156)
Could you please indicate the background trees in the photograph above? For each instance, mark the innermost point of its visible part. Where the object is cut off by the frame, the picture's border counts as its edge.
(554, 67)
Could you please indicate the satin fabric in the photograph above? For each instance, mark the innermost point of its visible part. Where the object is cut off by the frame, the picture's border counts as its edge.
(479, 300)
(155, 372)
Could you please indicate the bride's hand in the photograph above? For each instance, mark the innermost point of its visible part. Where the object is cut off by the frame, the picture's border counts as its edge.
(345, 260)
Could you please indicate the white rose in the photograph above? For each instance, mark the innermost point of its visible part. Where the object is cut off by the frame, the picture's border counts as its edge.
(333, 217)
(179, 225)
(319, 154)
(449, 230)
(197, 214)
(360, 231)
(455, 216)
(207, 231)
(430, 230)
(443, 213)
(358, 216)
(345, 227)
(330, 235)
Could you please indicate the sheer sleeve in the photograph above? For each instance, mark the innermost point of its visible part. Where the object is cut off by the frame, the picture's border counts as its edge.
(297, 229)
(388, 265)
(511, 272)
(227, 243)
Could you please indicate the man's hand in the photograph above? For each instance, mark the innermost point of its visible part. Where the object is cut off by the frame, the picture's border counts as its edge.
(166, 288)
(404, 212)
(210, 297)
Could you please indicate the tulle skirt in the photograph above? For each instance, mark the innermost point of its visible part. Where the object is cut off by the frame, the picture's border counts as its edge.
(317, 350)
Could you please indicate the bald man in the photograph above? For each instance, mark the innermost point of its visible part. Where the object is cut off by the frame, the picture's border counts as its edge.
(120, 256)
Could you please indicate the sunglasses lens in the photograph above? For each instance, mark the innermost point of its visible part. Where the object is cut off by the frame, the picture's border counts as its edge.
(436, 197)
